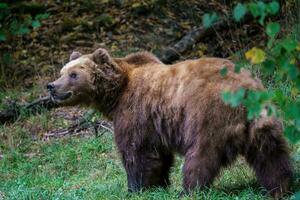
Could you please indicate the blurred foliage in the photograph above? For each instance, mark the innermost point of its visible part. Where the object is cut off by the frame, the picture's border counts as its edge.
(17, 24)
(16, 20)
(209, 19)
(280, 60)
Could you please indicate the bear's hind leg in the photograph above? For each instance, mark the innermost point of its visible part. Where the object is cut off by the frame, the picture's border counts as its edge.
(272, 167)
(267, 154)
(273, 171)
(145, 170)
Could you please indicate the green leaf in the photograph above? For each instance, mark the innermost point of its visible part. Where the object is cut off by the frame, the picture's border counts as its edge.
(272, 29)
(22, 31)
(3, 6)
(237, 67)
(289, 44)
(293, 72)
(239, 11)
(292, 134)
(253, 111)
(238, 97)
(2, 36)
(254, 9)
(209, 19)
(234, 99)
(277, 50)
(258, 9)
(283, 62)
(262, 10)
(279, 98)
(261, 6)
(255, 101)
(35, 23)
(297, 195)
(269, 66)
(292, 110)
(42, 16)
(273, 7)
(224, 71)
(226, 96)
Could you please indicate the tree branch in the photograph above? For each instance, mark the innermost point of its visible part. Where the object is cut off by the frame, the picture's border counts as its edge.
(173, 52)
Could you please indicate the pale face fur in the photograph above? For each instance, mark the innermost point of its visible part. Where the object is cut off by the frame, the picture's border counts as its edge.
(75, 85)
(89, 80)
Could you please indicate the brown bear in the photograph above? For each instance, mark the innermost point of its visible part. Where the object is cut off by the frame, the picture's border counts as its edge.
(159, 110)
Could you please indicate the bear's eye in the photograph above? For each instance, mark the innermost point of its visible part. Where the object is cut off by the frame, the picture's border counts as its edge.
(73, 75)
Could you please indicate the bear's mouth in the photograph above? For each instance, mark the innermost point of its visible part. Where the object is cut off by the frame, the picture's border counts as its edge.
(59, 97)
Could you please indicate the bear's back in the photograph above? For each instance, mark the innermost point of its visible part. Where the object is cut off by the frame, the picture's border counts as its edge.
(190, 76)
(194, 85)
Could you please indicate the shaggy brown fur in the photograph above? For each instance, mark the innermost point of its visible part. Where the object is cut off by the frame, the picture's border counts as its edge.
(158, 111)
(139, 59)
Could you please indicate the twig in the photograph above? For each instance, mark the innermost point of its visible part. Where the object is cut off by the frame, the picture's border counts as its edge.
(173, 52)
(75, 129)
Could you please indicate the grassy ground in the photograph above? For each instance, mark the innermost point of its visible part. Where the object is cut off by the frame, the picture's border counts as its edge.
(88, 167)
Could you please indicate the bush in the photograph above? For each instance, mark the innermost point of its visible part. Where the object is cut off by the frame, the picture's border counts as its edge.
(278, 61)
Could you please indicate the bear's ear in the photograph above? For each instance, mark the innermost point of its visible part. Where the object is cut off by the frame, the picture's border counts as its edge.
(101, 56)
(74, 55)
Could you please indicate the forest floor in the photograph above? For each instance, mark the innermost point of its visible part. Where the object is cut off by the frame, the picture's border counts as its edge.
(83, 165)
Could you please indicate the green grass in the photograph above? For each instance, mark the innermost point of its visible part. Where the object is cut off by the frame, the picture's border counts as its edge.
(89, 168)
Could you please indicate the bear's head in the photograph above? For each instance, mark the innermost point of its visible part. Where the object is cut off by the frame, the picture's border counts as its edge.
(92, 79)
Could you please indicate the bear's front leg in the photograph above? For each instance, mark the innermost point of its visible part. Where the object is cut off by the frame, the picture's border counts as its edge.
(147, 169)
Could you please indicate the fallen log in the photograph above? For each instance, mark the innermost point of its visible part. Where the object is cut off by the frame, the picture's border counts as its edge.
(174, 51)
(14, 110)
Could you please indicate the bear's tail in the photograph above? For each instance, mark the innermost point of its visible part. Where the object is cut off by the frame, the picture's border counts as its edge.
(268, 155)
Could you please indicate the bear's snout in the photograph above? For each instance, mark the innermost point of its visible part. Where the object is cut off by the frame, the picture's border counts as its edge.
(50, 87)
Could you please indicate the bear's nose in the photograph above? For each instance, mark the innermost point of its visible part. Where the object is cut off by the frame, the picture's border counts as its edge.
(50, 87)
